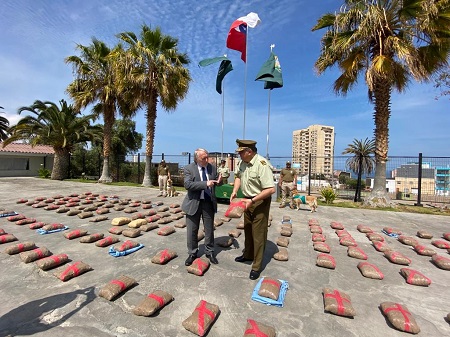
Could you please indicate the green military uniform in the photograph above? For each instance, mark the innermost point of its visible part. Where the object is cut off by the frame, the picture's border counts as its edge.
(288, 183)
(225, 172)
(255, 176)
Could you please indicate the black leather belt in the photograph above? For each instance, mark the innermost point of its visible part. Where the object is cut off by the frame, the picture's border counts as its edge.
(249, 197)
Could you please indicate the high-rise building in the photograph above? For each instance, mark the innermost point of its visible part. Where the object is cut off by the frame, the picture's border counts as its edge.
(317, 140)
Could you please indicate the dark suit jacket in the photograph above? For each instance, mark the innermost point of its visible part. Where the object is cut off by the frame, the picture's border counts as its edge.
(194, 186)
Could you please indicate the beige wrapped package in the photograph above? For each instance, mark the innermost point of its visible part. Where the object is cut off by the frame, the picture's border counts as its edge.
(270, 288)
(338, 303)
(283, 241)
(120, 221)
(152, 303)
(257, 329)
(201, 319)
(35, 254)
(116, 287)
(400, 317)
(137, 223)
(281, 255)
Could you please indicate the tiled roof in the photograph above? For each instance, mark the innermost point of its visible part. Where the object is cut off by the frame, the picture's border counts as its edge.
(27, 148)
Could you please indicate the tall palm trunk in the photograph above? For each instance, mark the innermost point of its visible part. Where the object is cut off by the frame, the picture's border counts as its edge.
(358, 182)
(107, 130)
(382, 99)
(150, 133)
(60, 164)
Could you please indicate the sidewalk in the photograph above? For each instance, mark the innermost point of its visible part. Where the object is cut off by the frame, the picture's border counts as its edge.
(35, 302)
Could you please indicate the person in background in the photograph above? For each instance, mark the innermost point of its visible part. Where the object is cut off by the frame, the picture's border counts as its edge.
(200, 178)
(254, 176)
(163, 175)
(288, 181)
(224, 171)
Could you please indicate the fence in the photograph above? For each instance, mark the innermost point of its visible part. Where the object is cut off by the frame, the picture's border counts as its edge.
(414, 178)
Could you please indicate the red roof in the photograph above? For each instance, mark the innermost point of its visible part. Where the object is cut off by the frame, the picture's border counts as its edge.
(27, 148)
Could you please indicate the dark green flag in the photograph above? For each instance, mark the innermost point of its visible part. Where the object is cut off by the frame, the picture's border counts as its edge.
(270, 73)
(225, 68)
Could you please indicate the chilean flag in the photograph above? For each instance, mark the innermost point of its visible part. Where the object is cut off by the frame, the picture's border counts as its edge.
(237, 36)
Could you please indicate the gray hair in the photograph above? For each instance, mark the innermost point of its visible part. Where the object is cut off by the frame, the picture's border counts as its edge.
(197, 151)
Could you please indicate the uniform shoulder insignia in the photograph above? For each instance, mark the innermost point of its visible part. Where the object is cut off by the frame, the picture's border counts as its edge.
(263, 162)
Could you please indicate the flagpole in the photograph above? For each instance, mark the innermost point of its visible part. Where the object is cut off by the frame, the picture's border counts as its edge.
(268, 125)
(223, 109)
(245, 77)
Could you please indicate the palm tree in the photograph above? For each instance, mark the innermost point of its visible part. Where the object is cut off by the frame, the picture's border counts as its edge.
(156, 72)
(97, 84)
(361, 162)
(4, 125)
(389, 42)
(61, 128)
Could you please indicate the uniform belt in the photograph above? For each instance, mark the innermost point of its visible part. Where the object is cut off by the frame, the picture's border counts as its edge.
(288, 181)
(249, 197)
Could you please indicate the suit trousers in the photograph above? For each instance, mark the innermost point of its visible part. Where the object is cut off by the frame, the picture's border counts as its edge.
(256, 225)
(206, 211)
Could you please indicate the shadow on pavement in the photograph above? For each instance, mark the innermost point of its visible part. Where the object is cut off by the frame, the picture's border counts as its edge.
(27, 318)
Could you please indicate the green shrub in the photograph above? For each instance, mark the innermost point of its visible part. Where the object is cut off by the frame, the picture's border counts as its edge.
(328, 194)
(44, 173)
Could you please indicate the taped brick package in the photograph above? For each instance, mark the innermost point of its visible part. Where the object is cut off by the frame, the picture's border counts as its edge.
(5, 238)
(198, 267)
(407, 240)
(128, 244)
(257, 329)
(424, 234)
(423, 250)
(98, 218)
(270, 288)
(34, 254)
(236, 209)
(321, 247)
(441, 261)
(116, 230)
(52, 261)
(235, 233)
(202, 318)
(164, 256)
(76, 233)
(336, 225)
(370, 270)
(338, 303)
(414, 277)
(20, 247)
(364, 229)
(441, 244)
(92, 238)
(116, 287)
(356, 253)
(105, 242)
(400, 317)
(73, 270)
(167, 230)
(224, 241)
(397, 258)
(325, 261)
(282, 241)
(281, 255)
(152, 303)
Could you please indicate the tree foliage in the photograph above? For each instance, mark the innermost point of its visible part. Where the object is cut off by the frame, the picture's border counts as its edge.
(4, 126)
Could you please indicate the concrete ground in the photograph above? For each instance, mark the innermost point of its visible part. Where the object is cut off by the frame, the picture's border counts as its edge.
(35, 302)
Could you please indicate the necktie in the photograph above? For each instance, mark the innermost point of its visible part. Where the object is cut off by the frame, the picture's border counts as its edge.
(207, 193)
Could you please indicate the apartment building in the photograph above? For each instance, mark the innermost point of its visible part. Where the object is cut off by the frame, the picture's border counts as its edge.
(317, 140)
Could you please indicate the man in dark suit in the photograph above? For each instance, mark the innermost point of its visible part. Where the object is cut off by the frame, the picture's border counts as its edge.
(200, 178)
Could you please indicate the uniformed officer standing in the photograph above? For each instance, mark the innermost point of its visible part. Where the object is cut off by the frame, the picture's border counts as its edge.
(288, 181)
(254, 176)
(163, 175)
(224, 171)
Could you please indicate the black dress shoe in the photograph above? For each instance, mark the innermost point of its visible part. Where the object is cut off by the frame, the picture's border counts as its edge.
(212, 258)
(242, 259)
(191, 258)
(254, 275)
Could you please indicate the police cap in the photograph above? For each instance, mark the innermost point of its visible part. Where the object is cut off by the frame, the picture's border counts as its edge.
(244, 144)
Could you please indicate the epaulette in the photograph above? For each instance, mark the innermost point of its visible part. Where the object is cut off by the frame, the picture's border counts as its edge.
(263, 162)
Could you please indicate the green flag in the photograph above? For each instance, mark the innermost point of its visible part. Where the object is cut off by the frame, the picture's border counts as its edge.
(270, 73)
(224, 68)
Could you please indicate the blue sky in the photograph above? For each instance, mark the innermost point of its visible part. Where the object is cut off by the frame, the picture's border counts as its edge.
(37, 35)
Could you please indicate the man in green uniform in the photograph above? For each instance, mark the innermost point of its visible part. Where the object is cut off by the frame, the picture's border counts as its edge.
(224, 171)
(163, 175)
(287, 182)
(254, 176)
